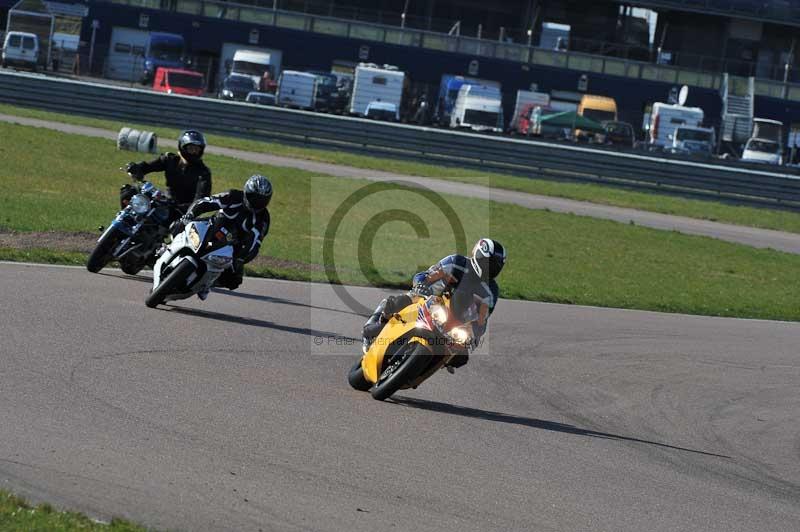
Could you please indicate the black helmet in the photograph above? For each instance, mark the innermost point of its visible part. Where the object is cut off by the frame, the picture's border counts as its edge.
(257, 192)
(488, 258)
(191, 138)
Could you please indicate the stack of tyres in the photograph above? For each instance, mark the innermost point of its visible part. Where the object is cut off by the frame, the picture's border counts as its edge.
(135, 140)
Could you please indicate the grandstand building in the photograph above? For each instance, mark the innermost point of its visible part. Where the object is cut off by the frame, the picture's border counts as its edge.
(737, 56)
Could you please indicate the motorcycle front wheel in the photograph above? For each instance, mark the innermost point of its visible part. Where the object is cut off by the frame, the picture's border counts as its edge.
(400, 372)
(356, 378)
(101, 254)
(173, 282)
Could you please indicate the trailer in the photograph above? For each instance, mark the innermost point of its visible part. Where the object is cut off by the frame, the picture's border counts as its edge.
(296, 89)
(666, 118)
(373, 83)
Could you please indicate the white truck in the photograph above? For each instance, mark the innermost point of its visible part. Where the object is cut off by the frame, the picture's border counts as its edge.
(373, 83)
(296, 89)
(479, 108)
(666, 118)
(249, 61)
(526, 100)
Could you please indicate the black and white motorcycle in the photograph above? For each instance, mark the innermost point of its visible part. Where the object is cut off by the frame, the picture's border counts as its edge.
(192, 262)
(136, 233)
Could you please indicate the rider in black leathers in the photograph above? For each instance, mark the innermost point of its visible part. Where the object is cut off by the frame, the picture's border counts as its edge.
(188, 178)
(470, 280)
(242, 212)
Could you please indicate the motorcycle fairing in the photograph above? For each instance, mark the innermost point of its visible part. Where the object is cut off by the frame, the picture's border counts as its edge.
(400, 326)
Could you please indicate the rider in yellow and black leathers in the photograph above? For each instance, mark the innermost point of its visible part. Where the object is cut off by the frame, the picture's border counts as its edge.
(470, 280)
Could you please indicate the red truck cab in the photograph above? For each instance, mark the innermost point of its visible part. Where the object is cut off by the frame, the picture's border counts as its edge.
(178, 81)
(524, 122)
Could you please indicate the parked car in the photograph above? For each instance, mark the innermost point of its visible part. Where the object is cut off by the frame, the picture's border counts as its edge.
(762, 151)
(383, 111)
(179, 81)
(261, 98)
(21, 49)
(619, 133)
(237, 87)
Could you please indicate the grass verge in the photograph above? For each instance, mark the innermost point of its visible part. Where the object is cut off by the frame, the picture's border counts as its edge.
(16, 514)
(666, 204)
(388, 236)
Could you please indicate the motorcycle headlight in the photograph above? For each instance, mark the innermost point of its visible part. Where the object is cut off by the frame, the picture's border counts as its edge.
(461, 335)
(140, 204)
(194, 239)
(438, 314)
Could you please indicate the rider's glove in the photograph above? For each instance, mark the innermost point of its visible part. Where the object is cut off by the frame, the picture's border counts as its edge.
(179, 224)
(135, 170)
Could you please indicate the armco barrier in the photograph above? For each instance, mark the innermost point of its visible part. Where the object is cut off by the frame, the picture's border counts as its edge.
(489, 153)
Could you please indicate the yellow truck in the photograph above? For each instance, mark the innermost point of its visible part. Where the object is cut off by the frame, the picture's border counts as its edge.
(598, 108)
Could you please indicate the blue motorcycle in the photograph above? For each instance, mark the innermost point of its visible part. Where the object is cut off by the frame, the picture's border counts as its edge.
(136, 233)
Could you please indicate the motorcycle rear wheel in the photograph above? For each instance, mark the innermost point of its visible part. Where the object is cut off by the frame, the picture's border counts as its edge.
(410, 368)
(175, 280)
(356, 378)
(101, 254)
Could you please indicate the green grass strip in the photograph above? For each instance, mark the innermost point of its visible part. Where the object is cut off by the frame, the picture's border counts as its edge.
(552, 257)
(18, 515)
(765, 218)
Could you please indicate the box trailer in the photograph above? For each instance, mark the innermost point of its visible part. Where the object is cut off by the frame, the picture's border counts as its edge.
(373, 83)
(296, 89)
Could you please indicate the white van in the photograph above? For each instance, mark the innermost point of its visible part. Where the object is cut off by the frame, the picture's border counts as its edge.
(690, 140)
(296, 89)
(666, 118)
(21, 49)
(762, 151)
(372, 83)
(478, 107)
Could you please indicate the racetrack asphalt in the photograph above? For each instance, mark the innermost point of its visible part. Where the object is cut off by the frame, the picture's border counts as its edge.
(760, 238)
(235, 414)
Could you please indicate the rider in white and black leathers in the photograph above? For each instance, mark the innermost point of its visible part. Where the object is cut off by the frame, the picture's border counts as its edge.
(470, 280)
(242, 212)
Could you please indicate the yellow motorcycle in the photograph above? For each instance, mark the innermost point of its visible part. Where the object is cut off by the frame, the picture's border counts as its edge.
(414, 344)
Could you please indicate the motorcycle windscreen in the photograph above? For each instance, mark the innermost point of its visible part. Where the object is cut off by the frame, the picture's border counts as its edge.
(372, 361)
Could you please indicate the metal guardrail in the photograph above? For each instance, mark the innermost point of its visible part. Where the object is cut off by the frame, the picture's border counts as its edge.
(467, 150)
